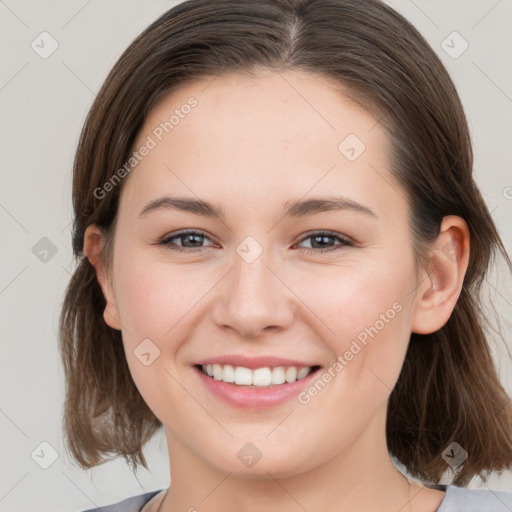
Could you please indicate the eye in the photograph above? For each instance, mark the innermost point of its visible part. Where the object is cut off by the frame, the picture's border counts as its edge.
(320, 242)
(191, 241)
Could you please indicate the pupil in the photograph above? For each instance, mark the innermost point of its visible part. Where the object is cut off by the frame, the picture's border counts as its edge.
(323, 239)
(194, 236)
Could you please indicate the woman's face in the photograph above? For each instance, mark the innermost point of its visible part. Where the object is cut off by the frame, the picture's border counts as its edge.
(261, 290)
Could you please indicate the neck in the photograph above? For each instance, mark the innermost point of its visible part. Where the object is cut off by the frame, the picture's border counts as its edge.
(358, 479)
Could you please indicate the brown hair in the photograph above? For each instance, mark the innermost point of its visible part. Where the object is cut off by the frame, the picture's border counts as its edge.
(448, 390)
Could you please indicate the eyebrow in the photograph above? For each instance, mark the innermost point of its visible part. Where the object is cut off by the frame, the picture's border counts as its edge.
(300, 208)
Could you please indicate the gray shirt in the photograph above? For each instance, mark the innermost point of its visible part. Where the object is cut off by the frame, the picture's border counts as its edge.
(457, 499)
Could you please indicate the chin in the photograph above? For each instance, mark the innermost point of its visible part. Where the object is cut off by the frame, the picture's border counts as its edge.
(247, 461)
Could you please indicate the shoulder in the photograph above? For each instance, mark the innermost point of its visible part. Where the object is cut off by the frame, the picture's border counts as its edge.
(133, 504)
(461, 499)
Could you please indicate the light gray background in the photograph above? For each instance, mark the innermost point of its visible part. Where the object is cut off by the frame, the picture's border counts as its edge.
(43, 105)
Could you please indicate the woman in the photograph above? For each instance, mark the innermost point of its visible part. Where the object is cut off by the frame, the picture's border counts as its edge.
(281, 248)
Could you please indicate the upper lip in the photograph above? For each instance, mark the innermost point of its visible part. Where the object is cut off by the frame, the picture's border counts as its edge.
(254, 362)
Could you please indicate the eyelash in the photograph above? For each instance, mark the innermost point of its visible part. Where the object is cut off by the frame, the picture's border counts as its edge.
(166, 241)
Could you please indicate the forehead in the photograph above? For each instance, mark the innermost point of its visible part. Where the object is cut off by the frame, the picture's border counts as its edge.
(274, 133)
(270, 110)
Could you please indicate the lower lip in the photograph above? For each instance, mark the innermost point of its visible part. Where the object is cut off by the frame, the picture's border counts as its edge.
(254, 398)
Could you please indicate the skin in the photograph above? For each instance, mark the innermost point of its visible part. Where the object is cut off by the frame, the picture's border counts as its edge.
(253, 144)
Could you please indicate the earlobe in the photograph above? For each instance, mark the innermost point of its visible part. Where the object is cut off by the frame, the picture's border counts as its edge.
(440, 287)
(93, 242)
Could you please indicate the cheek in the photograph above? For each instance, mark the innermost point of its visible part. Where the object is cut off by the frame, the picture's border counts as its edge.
(156, 302)
(365, 321)
(364, 316)
(154, 296)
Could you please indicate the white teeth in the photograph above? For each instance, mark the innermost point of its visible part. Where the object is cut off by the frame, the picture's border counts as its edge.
(229, 373)
(302, 372)
(291, 374)
(243, 376)
(260, 377)
(278, 376)
(217, 372)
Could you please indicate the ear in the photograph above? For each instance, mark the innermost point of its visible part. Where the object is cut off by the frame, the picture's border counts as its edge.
(93, 242)
(441, 283)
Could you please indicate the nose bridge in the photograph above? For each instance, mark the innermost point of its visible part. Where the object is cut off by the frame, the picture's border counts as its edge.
(253, 277)
(254, 298)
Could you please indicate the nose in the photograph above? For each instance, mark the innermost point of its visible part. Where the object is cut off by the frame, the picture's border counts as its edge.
(254, 299)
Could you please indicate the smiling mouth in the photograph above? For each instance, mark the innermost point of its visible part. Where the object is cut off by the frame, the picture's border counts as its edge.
(258, 377)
